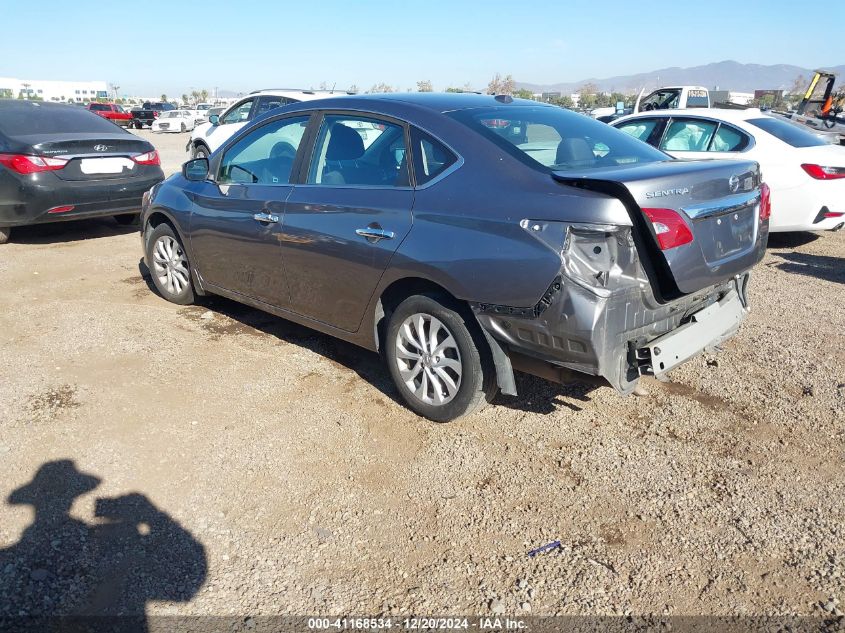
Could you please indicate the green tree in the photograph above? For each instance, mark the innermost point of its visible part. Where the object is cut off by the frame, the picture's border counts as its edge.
(564, 101)
(184, 98)
(522, 93)
(424, 86)
(164, 97)
(204, 94)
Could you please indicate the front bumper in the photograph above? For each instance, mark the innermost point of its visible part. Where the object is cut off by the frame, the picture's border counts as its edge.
(28, 199)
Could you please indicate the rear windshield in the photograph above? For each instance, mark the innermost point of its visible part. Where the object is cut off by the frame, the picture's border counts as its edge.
(556, 139)
(35, 118)
(789, 133)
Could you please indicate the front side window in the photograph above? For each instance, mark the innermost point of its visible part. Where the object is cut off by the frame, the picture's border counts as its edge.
(342, 156)
(239, 113)
(666, 99)
(431, 157)
(688, 135)
(265, 155)
(640, 129)
(557, 139)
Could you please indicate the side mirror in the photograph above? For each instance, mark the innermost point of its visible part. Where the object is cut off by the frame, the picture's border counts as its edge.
(196, 170)
(214, 119)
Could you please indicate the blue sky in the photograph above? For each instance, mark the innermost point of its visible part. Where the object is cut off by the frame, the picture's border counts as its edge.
(242, 45)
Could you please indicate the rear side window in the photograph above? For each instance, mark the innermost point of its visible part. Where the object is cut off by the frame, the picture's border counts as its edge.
(99, 107)
(267, 103)
(431, 157)
(789, 133)
(38, 118)
(353, 150)
(686, 135)
(728, 139)
(697, 99)
(556, 139)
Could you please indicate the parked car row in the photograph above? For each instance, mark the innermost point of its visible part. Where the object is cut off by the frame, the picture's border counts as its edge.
(462, 236)
(806, 174)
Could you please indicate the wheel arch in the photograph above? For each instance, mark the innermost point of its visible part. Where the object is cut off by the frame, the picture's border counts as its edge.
(400, 289)
(158, 216)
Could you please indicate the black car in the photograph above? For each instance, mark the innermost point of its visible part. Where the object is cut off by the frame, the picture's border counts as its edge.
(149, 112)
(465, 237)
(60, 162)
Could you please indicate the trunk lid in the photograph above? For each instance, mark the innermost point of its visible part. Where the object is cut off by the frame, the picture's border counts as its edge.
(719, 200)
(92, 157)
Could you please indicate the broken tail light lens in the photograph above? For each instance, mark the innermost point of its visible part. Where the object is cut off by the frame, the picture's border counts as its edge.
(669, 227)
(25, 164)
(820, 172)
(765, 202)
(150, 158)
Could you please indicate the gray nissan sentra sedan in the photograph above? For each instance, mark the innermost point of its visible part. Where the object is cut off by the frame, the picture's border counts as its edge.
(465, 237)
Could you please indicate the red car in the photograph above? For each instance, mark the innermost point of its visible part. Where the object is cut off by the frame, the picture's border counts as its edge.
(113, 112)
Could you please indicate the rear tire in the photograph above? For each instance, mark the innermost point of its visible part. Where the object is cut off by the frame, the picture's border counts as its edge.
(5, 232)
(138, 125)
(438, 359)
(127, 219)
(169, 265)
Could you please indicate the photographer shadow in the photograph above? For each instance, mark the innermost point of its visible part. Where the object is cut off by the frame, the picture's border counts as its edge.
(66, 574)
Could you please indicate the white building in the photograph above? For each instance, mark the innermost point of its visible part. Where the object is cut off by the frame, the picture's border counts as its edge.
(63, 91)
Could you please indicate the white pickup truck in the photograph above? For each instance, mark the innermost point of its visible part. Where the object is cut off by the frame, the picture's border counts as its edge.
(673, 98)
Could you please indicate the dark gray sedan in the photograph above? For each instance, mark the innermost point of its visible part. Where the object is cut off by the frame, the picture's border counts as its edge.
(466, 237)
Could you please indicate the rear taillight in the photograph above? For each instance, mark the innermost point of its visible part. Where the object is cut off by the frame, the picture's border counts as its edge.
(25, 164)
(671, 229)
(820, 172)
(150, 158)
(63, 209)
(765, 202)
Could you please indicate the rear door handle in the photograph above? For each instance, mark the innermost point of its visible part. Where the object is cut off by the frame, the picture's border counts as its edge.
(267, 218)
(374, 235)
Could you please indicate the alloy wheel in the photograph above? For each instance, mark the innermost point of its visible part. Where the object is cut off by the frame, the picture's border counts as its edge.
(428, 358)
(170, 265)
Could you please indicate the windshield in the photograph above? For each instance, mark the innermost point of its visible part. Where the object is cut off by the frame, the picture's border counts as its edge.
(45, 118)
(789, 133)
(557, 139)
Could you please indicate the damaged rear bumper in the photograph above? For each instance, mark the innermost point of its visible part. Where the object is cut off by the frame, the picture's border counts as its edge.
(601, 320)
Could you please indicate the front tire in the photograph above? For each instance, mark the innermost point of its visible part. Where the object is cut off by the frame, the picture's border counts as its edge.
(201, 151)
(169, 265)
(438, 359)
(5, 233)
(184, 128)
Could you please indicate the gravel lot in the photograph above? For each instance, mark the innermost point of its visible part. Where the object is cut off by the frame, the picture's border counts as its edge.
(267, 469)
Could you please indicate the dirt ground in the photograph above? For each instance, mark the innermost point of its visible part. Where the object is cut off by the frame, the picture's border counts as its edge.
(270, 470)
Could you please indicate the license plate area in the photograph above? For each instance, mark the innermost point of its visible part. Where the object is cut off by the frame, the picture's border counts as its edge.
(723, 237)
(106, 165)
(709, 326)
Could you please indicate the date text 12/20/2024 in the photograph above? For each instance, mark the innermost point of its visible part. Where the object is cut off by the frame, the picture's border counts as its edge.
(418, 624)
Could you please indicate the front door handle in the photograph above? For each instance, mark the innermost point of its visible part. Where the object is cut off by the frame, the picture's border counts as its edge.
(267, 218)
(374, 234)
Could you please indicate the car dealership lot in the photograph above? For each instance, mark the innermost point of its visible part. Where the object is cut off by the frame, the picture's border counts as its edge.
(286, 455)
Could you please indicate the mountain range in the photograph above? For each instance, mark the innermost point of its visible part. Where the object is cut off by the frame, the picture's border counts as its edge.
(726, 75)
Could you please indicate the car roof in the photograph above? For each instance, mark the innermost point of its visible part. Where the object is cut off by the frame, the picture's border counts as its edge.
(722, 114)
(438, 101)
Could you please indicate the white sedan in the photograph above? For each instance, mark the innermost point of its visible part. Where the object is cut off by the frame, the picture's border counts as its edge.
(175, 121)
(805, 173)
